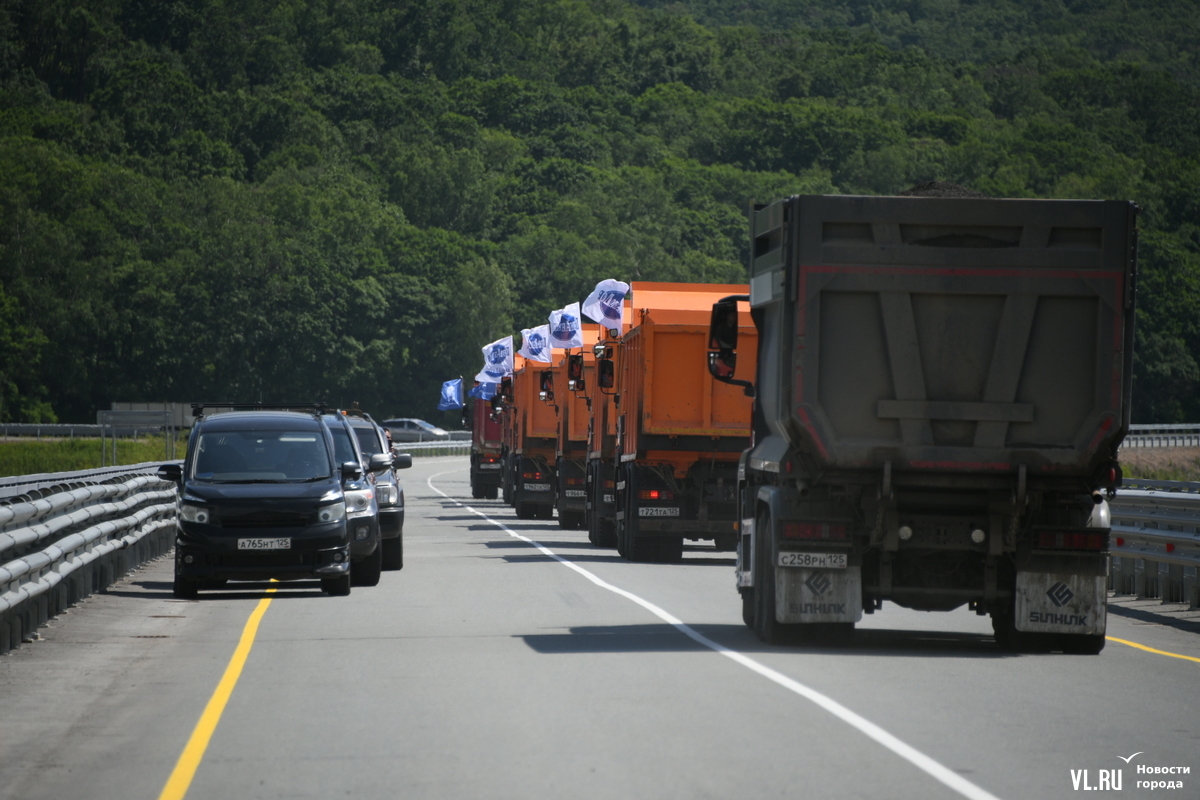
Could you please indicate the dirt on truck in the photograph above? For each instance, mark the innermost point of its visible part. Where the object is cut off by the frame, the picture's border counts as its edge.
(679, 433)
(941, 388)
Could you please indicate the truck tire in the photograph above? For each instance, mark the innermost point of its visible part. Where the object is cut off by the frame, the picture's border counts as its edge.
(393, 553)
(544, 512)
(365, 571)
(769, 630)
(726, 542)
(1083, 644)
(491, 492)
(476, 492)
(670, 549)
(336, 587)
(185, 589)
(524, 510)
(748, 608)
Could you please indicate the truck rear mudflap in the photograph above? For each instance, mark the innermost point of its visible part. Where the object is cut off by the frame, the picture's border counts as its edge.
(1056, 596)
(818, 595)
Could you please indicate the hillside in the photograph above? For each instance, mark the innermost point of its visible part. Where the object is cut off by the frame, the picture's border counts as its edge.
(343, 201)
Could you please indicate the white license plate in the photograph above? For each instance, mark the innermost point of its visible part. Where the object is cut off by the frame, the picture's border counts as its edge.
(489, 466)
(654, 511)
(573, 493)
(283, 543)
(608, 498)
(537, 487)
(813, 560)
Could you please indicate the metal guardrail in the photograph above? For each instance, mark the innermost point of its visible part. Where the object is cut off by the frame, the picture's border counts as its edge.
(75, 534)
(1155, 541)
(444, 447)
(1174, 435)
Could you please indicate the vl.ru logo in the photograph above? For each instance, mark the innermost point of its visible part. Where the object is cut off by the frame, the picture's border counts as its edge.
(1060, 594)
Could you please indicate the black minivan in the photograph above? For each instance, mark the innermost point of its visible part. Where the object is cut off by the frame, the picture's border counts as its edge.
(261, 497)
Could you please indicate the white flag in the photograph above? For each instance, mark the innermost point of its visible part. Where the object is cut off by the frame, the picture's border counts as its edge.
(497, 361)
(566, 328)
(606, 303)
(535, 343)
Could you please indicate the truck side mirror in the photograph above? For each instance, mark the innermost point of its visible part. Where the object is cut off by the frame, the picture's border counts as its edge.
(722, 342)
(723, 328)
(575, 373)
(547, 384)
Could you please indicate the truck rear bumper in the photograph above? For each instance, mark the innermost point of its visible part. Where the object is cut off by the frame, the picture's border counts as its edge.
(706, 529)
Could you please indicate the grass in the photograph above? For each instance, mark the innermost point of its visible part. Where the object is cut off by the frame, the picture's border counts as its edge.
(1161, 463)
(31, 457)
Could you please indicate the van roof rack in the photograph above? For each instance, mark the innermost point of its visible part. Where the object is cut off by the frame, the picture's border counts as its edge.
(313, 408)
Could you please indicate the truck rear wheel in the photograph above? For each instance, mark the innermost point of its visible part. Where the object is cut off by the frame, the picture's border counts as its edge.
(748, 608)
(670, 549)
(1083, 644)
(491, 492)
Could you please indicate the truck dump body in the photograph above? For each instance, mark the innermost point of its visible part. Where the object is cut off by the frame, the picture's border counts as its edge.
(486, 446)
(942, 386)
(951, 334)
(535, 435)
(573, 426)
(679, 432)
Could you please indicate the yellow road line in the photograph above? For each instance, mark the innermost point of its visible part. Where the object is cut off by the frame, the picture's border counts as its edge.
(1152, 650)
(185, 768)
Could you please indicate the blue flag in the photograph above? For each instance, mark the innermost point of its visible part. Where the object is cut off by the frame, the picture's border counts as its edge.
(483, 391)
(451, 395)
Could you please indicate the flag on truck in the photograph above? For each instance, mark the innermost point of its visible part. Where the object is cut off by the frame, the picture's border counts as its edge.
(497, 361)
(483, 391)
(535, 343)
(451, 395)
(566, 328)
(606, 303)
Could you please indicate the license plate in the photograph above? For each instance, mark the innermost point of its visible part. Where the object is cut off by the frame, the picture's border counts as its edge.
(283, 543)
(573, 493)
(537, 487)
(654, 511)
(813, 560)
(608, 498)
(489, 466)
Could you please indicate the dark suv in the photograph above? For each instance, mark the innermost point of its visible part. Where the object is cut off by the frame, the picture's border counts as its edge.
(362, 508)
(389, 494)
(262, 495)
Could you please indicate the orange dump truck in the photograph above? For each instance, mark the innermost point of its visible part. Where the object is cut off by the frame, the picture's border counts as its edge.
(529, 466)
(485, 450)
(679, 432)
(600, 514)
(572, 376)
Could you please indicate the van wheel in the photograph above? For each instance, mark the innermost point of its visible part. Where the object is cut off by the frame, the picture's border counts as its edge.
(337, 587)
(366, 572)
(185, 589)
(393, 552)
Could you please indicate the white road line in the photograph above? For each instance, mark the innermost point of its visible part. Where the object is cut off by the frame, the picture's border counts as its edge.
(909, 753)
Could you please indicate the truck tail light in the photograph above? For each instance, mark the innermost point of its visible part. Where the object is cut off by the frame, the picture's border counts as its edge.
(532, 476)
(656, 494)
(1063, 540)
(574, 481)
(814, 530)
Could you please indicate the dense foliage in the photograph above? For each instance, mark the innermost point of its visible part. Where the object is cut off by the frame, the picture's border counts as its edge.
(344, 199)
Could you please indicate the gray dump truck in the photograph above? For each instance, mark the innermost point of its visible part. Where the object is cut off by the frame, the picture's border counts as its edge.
(942, 386)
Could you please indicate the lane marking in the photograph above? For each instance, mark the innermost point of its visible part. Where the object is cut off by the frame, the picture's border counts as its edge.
(1152, 650)
(907, 752)
(185, 768)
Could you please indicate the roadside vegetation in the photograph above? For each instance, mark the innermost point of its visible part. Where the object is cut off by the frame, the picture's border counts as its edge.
(342, 201)
(32, 457)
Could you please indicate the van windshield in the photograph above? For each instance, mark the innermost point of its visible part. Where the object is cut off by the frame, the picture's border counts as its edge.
(368, 441)
(261, 457)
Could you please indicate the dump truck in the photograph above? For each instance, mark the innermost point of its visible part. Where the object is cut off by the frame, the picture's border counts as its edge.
(941, 389)
(600, 478)
(679, 432)
(571, 375)
(485, 450)
(529, 464)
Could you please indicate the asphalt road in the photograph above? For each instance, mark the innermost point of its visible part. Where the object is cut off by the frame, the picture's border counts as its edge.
(488, 668)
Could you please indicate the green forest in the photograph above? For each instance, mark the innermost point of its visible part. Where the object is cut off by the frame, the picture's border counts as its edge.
(343, 199)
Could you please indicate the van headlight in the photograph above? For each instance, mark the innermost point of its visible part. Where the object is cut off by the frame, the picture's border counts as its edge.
(198, 514)
(357, 500)
(332, 512)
